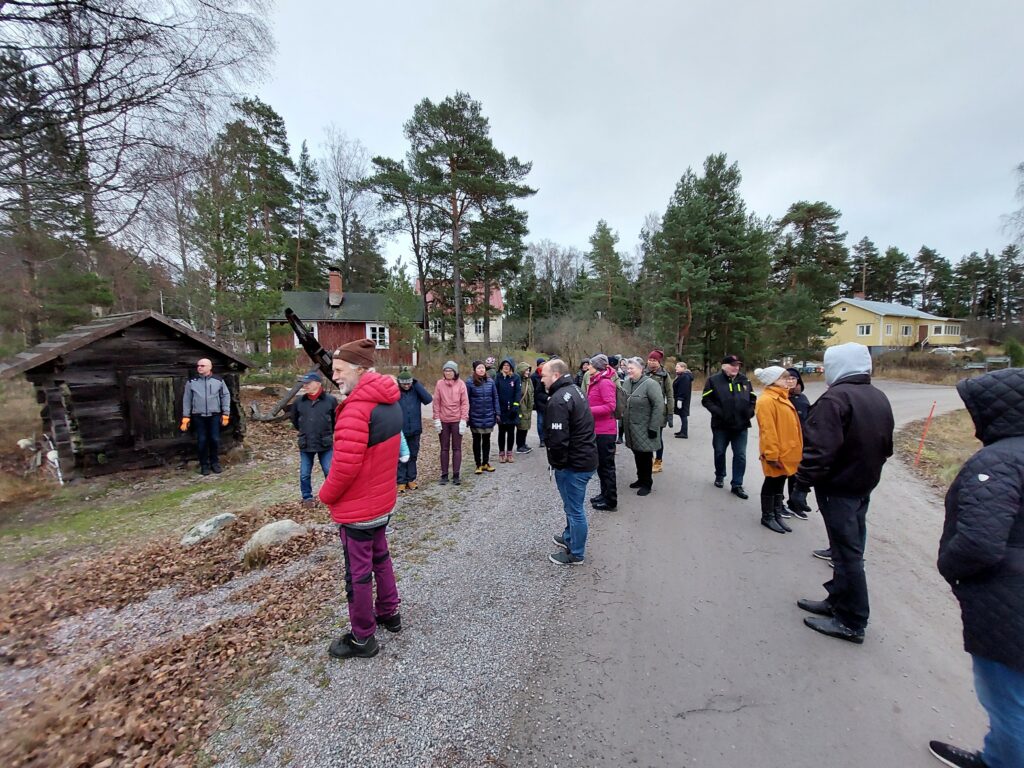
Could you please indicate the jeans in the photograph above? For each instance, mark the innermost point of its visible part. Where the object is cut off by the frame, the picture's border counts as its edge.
(1001, 692)
(572, 487)
(367, 559)
(451, 441)
(208, 439)
(407, 471)
(846, 525)
(540, 426)
(606, 468)
(306, 469)
(722, 439)
(644, 461)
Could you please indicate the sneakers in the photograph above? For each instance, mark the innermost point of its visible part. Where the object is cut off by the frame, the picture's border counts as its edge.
(456, 480)
(657, 466)
(412, 485)
(347, 647)
(737, 490)
(391, 623)
(479, 470)
(604, 506)
(402, 487)
(954, 756)
(443, 480)
(524, 449)
(799, 514)
(488, 468)
(557, 538)
(823, 554)
(597, 499)
(719, 482)
(635, 484)
(565, 558)
(833, 627)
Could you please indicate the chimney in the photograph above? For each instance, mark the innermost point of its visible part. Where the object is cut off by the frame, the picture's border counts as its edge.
(335, 295)
(856, 294)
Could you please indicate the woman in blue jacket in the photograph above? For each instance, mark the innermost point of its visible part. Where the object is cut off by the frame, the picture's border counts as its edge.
(412, 397)
(483, 415)
(510, 389)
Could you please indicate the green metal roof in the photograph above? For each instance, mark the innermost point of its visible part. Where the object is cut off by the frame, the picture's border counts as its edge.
(313, 306)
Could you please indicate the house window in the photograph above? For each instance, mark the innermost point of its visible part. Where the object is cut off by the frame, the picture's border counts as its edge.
(936, 330)
(378, 334)
(842, 309)
(478, 327)
(888, 329)
(435, 327)
(906, 330)
(864, 329)
(952, 330)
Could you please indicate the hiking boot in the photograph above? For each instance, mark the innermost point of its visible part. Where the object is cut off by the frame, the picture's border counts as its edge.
(401, 487)
(456, 480)
(391, 623)
(488, 468)
(768, 514)
(479, 470)
(737, 490)
(643, 491)
(509, 458)
(820, 607)
(823, 554)
(443, 480)
(833, 627)
(657, 466)
(412, 485)
(954, 756)
(719, 482)
(347, 647)
(557, 538)
(565, 558)
(779, 507)
(217, 469)
(501, 457)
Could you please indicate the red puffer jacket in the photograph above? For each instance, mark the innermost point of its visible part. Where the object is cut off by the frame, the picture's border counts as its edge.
(367, 433)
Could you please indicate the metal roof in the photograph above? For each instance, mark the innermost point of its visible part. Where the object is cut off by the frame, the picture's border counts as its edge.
(312, 306)
(888, 308)
(83, 335)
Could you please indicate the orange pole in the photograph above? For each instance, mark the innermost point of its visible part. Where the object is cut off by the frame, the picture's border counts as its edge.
(927, 423)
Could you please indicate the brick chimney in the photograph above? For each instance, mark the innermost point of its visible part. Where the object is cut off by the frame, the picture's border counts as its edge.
(335, 294)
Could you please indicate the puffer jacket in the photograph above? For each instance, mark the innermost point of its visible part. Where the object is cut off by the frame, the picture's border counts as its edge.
(601, 396)
(451, 401)
(779, 425)
(526, 399)
(510, 389)
(314, 418)
(483, 403)
(645, 413)
(569, 427)
(412, 402)
(682, 390)
(367, 439)
(981, 551)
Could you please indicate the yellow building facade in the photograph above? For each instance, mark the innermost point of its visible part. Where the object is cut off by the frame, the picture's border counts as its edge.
(883, 325)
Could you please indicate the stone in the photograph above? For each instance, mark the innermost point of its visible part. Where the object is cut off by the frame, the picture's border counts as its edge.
(272, 534)
(207, 528)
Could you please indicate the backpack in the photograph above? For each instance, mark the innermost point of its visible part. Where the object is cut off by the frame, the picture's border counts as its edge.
(620, 401)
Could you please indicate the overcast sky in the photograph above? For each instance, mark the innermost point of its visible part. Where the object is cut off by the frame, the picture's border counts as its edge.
(906, 116)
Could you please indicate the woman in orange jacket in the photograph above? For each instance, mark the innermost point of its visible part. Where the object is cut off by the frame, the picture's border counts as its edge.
(782, 443)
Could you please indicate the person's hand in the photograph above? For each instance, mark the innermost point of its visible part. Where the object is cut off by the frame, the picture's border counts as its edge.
(437, 425)
(224, 419)
(679, 405)
(404, 459)
(184, 424)
(652, 434)
(774, 464)
(462, 427)
(670, 421)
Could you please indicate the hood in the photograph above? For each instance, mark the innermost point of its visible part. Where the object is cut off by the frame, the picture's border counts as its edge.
(996, 404)
(607, 373)
(511, 364)
(522, 368)
(660, 372)
(844, 360)
(376, 388)
(799, 379)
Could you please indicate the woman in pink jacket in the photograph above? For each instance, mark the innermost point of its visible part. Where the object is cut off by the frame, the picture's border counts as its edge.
(601, 396)
(450, 409)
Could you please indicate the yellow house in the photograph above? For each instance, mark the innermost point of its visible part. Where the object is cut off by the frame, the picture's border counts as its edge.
(882, 326)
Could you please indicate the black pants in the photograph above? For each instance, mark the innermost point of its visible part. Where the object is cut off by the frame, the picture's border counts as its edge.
(644, 464)
(773, 486)
(506, 437)
(521, 437)
(684, 421)
(482, 448)
(606, 468)
(622, 429)
(208, 439)
(846, 524)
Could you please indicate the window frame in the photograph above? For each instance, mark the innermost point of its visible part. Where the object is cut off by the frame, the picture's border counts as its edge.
(866, 329)
(888, 329)
(952, 330)
(906, 330)
(375, 337)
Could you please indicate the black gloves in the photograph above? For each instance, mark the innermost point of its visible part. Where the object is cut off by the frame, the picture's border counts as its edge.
(652, 434)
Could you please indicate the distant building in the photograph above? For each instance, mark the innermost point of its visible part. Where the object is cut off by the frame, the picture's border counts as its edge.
(884, 326)
(441, 314)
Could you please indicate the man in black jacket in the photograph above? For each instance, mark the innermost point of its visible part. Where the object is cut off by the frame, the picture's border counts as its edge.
(540, 398)
(572, 453)
(730, 398)
(981, 555)
(313, 416)
(847, 438)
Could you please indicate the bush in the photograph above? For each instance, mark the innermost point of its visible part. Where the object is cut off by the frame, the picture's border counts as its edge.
(1015, 350)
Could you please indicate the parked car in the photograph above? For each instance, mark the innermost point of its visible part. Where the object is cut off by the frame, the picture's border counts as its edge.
(809, 366)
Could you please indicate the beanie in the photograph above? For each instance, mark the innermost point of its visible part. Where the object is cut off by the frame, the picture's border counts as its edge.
(357, 352)
(656, 354)
(600, 362)
(405, 375)
(770, 375)
(450, 365)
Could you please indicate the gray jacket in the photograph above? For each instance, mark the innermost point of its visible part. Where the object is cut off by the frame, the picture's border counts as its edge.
(205, 395)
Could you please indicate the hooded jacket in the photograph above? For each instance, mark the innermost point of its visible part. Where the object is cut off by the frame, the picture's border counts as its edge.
(526, 398)
(981, 551)
(367, 437)
(412, 402)
(483, 403)
(779, 428)
(569, 427)
(510, 390)
(848, 433)
(540, 394)
(601, 397)
(645, 413)
(661, 378)
(730, 401)
(799, 399)
(451, 401)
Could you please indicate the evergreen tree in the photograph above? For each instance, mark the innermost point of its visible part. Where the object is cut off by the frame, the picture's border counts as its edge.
(935, 283)
(313, 229)
(364, 271)
(1011, 268)
(894, 279)
(862, 276)
(610, 299)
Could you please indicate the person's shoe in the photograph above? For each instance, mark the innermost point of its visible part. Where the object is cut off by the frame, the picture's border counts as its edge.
(347, 647)
(768, 514)
(798, 502)
(599, 499)
(391, 623)
(488, 468)
(565, 558)
(501, 457)
(620, 441)
(557, 538)
(737, 490)
(204, 470)
(443, 480)
(678, 434)
(509, 459)
(456, 480)
(719, 482)
(524, 449)
(635, 484)
(603, 506)
(823, 554)
(833, 627)
(308, 503)
(217, 469)
(402, 487)
(799, 514)
(954, 756)
(643, 491)
(779, 507)
(479, 470)
(820, 607)
(542, 444)
(412, 485)
(657, 466)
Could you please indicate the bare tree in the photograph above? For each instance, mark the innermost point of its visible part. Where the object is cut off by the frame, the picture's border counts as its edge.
(345, 164)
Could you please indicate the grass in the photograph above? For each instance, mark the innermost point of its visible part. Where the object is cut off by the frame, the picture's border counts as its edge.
(949, 443)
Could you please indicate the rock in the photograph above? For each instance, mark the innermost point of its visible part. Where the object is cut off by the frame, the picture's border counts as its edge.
(207, 528)
(272, 534)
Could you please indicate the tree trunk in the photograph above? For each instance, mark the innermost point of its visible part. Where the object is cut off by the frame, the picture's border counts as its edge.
(460, 341)
(487, 298)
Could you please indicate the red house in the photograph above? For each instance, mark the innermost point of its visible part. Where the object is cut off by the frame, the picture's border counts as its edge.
(472, 313)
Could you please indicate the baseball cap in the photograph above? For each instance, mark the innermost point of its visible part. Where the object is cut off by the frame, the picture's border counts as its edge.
(731, 360)
(311, 377)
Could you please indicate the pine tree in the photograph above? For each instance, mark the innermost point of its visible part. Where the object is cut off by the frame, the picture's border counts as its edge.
(610, 299)
(365, 270)
(862, 274)
(314, 226)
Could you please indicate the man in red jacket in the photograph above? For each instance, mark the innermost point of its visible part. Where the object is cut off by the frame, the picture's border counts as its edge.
(360, 491)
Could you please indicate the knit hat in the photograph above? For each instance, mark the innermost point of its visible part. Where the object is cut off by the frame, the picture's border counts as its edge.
(657, 354)
(600, 362)
(539, 361)
(405, 376)
(770, 375)
(357, 352)
(614, 361)
(452, 366)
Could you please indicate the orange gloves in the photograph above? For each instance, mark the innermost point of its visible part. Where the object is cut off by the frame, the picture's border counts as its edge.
(224, 419)
(184, 424)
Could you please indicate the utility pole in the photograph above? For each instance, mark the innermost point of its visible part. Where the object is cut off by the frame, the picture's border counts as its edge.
(529, 333)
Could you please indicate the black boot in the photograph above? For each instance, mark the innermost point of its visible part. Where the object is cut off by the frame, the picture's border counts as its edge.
(779, 508)
(768, 514)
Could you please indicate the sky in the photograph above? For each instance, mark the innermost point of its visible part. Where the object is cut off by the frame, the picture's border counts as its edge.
(905, 115)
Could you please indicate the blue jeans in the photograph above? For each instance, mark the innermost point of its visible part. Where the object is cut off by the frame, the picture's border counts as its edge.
(306, 469)
(1001, 692)
(572, 487)
(208, 439)
(722, 439)
(540, 426)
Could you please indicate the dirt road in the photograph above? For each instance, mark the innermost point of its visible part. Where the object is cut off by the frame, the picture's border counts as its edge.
(680, 643)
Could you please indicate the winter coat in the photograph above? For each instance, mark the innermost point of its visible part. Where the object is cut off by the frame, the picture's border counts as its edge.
(315, 421)
(661, 378)
(779, 426)
(526, 399)
(483, 404)
(540, 395)
(510, 389)
(731, 401)
(412, 402)
(802, 405)
(981, 552)
(645, 413)
(847, 438)
(205, 395)
(367, 437)
(569, 429)
(682, 389)
(451, 401)
(601, 397)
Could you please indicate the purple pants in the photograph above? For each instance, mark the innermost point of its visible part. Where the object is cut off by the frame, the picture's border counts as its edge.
(451, 439)
(367, 558)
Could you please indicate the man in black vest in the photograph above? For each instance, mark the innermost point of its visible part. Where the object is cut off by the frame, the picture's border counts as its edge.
(313, 416)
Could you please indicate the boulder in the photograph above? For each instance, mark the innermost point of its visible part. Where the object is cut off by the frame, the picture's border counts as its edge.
(270, 535)
(207, 528)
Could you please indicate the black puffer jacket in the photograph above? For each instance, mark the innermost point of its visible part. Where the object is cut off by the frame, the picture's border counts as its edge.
(981, 552)
(569, 428)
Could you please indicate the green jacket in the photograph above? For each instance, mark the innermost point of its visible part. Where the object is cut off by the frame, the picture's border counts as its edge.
(662, 379)
(645, 413)
(526, 399)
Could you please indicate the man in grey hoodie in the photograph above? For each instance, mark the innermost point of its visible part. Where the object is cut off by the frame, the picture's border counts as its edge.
(847, 438)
